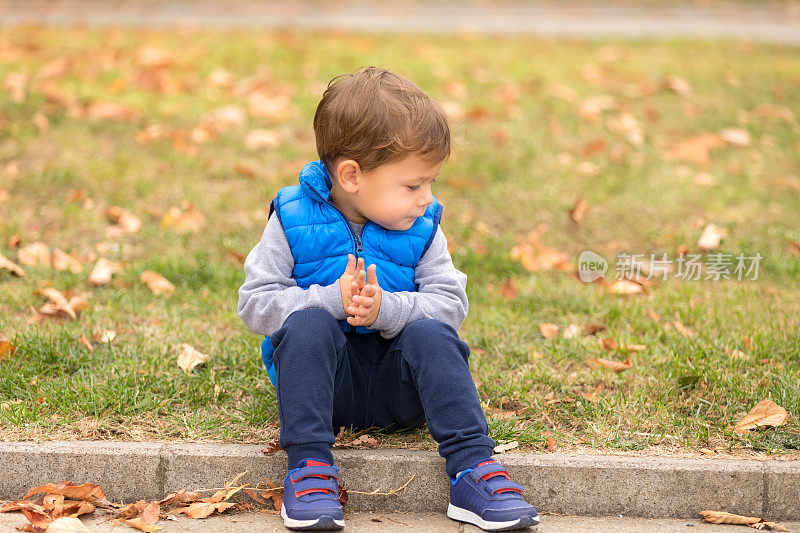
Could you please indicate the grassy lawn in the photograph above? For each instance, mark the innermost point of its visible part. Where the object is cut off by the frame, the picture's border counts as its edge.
(143, 120)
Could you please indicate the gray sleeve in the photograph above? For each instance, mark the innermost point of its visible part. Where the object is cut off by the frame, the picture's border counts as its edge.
(442, 294)
(270, 294)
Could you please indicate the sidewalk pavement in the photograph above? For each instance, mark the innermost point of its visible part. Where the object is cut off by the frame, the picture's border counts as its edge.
(777, 22)
(366, 522)
(588, 485)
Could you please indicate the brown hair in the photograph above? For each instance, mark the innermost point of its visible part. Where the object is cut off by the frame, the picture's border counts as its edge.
(375, 117)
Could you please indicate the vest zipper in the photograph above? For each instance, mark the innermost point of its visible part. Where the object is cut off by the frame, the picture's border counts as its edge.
(356, 238)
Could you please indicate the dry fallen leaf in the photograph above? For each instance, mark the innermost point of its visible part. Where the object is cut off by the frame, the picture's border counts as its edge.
(579, 210)
(59, 303)
(83, 340)
(625, 286)
(573, 330)
(186, 218)
(7, 349)
(766, 413)
(64, 261)
(147, 519)
(103, 270)
(124, 221)
(735, 136)
(502, 448)
(88, 491)
(105, 336)
(721, 517)
(67, 524)
(190, 358)
(34, 254)
(11, 266)
(157, 283)
(203, 509)
(260, 138)
(696, 149)
(711, 237)
(548, 331)
(614, 366)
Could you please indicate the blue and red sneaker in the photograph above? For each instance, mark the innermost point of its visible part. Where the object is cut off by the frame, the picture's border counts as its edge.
(485, 496)
(311, 497)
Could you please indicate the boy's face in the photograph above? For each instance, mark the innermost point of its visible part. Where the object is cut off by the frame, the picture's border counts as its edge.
(393, 195)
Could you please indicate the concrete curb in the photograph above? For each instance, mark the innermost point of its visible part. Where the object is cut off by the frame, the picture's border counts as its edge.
(587, 485)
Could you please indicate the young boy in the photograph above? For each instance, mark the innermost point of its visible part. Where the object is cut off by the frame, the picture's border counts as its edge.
(347, 346)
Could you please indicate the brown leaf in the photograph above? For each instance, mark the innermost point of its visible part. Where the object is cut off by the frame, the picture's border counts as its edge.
(11, 266)
(83, 340)
(549, 331)
(157, 283)
(625, 286)
(343, 496)
(260, 138)
(103, 270)
(105, 336)
(735, 136)
(573, 330)
(67, 524)
(365, 440)
(190, 358)
(60, 303)
(721, 517)
(509, 290)
(180, 497)
(711, 237)
(34, 254)
(64, 261)
(502, 448)
(125, 221)
(579, 210)
(766, 413)
(146, 521)
(186, 218)
(7, 349)
(683, 330)
(88, 491)
(203, 509)
(696, 149)
(272, 447)
(614, 366)
(153, 57)
(551, 443)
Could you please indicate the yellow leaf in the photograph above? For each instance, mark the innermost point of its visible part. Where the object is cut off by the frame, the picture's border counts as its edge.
(11, 266)
(125, 221)
(614, 366)
(721, 517)
(502, 448)
(59, 301)
(765, 413)
(548, 331)
(203, 509)
(157, 283)
(186, 218)
(711, 237)
(190, 358)
(7, 349)
(103, 270)
(34, 254)
(64, 261)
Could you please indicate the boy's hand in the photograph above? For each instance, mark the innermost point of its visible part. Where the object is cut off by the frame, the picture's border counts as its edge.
(366, 299)
(352, 281)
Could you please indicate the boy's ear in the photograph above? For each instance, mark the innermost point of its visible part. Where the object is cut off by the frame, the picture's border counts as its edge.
(348, 174)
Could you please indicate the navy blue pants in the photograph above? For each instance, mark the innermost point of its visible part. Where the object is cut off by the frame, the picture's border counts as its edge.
(329, 379)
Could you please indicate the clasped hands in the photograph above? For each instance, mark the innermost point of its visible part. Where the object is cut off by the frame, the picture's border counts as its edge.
(361, 294)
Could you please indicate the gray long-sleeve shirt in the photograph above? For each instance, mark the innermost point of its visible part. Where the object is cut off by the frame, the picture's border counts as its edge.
(269, 294)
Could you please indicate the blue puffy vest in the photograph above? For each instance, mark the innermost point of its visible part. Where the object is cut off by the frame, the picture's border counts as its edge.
(320, 239)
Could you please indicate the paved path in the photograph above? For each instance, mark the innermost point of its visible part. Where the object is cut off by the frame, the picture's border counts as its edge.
(771, 22)
(408, 523)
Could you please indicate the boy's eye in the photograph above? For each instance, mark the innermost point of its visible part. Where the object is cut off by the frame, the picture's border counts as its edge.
(415, 187)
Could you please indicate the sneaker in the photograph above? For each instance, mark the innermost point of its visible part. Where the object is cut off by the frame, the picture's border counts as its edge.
(311, 497)
(485, 496)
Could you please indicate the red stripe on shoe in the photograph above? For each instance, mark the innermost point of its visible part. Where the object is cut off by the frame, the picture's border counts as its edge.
(309, 491)
(493, 474)
(312, 462)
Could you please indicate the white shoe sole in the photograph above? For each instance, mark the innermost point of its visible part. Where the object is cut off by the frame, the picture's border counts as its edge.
(323, 522)
(462, 515)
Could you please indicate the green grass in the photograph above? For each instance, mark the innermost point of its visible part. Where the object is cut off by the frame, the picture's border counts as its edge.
(515, 166)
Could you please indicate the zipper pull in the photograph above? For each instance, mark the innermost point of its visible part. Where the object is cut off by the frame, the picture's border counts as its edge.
(358, 244)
